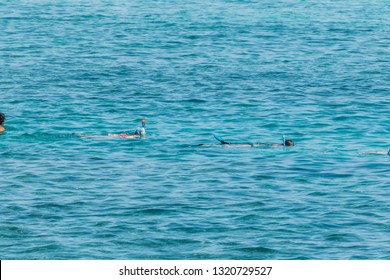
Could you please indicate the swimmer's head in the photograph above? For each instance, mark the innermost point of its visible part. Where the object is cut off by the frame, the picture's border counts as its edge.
(143, 121)
(2, 118)
(289, 142)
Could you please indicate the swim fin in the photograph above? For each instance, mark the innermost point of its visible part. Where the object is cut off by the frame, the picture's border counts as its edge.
(220, 139)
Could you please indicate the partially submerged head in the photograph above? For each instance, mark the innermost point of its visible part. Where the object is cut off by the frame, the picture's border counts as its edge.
(2, 119)
(289, 142)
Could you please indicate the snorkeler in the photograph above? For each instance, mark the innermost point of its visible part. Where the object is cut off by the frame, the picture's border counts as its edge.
(140, 132)
(2, 121)
(285, 143)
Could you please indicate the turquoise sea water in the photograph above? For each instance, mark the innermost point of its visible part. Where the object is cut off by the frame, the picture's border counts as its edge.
(250, 71)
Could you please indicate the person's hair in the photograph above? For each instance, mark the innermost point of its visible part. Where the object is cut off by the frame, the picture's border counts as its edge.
(289, 143)
(2, 118)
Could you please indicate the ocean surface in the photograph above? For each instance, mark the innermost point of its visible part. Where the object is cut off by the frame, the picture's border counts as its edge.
(249, 71)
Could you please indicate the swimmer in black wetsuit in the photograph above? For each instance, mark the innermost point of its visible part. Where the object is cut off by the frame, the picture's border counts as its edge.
(286, 142)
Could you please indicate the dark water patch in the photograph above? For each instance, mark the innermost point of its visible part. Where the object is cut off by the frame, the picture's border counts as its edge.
(343, 237)
(13, 231)
(320, 194)
(154, 212)
(257, 250)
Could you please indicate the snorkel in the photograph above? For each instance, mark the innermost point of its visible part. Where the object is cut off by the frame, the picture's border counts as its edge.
(284, 142)
(388, 153)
